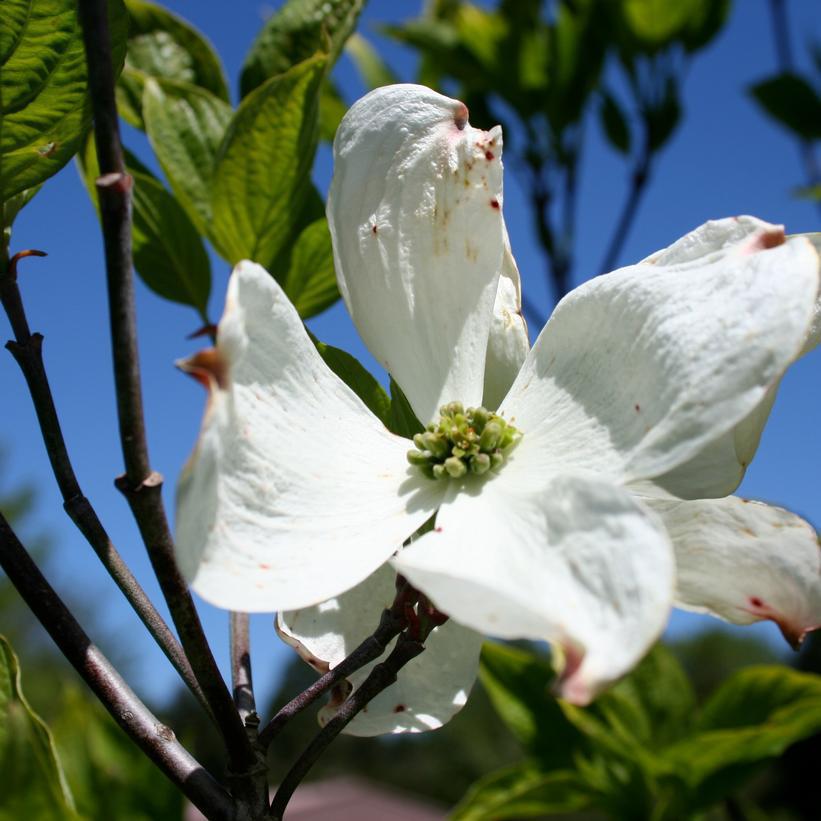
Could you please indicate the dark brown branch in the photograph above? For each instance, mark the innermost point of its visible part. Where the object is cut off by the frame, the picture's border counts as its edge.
(382, 676)
(391, 624)
(27, 351)
(140, 485)
(155, 739)
(242, 682)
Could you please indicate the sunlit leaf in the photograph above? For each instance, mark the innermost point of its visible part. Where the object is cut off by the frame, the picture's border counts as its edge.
(294, 33)
(332, 109)
(186, 125)
(311, 280)
(44, 105)
(168, 253)
(402, 420)
(374, 71)
(163, 45)
(261, 181)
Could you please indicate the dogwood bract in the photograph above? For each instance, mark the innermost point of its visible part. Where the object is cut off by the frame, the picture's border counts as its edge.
(648, 387)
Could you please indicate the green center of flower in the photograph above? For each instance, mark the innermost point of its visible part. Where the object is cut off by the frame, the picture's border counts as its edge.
(463, 441)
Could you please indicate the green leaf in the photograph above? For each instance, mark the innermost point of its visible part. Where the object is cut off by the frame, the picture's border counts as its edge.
(809, 192)
(518, 683)
(521, 791)
(8, 213)
(110, 776)
(705, 21)
(33, 782)
(311, 280)
(349, 369)
(754, 716)
(614, 123)
(162, 45)
(297, 30)
(186, 125)
(793, 102)
(655, 24)
(662, 118)
(261, 180)
(332, 109)
(44, 105)
(371, 67)
(402, 420)
(168, 253)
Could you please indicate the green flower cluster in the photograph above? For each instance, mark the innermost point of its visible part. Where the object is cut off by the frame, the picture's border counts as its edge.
(473, 440)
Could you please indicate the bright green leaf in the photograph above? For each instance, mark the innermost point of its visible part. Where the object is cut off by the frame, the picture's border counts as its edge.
(655, 24)
(44, 106)
(34, 786)
(402, 420)
(356, 377)
(311, 280)
(705, 21)
(8, 213)
(793, 102)
(518, 683)
(371, 67)
(754, 716)
(261, 180)
(521, 792)
(296, 31)
(614, 124)
(168, 253)
(186, 125)
(165, 46)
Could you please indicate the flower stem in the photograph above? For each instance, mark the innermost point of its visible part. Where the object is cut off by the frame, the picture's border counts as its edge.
(155, 739)
(140, 484)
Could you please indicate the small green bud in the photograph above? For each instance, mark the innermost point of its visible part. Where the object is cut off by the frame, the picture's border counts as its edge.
(473, 440)
(455, 467)
(490, 436)
(480, 464)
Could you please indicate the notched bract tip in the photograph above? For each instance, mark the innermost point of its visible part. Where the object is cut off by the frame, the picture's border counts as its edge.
(208, 367)
(460, 116)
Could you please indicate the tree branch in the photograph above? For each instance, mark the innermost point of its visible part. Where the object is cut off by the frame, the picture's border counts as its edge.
(391, 625)
(140, 485)
(783, 51)
(27, 351)
(155, 739)
(242, 682)
(382, 676)
(638, 185)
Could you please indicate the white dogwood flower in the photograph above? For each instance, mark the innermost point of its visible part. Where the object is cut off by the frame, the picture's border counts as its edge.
(642, 389)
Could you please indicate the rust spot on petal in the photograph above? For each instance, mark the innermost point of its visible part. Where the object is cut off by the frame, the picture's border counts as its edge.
(494, 203)
(207, 367)
(400, 708)
(767, 238)
(489, 155)
(637, 407)
(374, 229)
(460, 116)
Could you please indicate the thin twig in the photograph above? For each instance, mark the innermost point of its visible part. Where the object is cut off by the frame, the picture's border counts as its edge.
(242, 682)
(783, 51)
(140, 485)
(382, 676)
(155, 739)
(639, 178)
(391, 625)
(27, 351)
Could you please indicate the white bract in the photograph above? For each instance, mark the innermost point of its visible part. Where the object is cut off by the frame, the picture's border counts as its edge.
(646, 390)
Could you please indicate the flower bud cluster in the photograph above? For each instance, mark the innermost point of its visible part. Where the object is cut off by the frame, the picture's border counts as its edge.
(463, 441)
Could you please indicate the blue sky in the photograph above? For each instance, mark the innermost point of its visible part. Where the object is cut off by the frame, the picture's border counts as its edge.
(726, 159)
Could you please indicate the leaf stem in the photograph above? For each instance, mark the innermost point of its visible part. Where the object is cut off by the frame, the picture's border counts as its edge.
(140, 485)
(27, 351)
(242, 682)
(155, 739)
